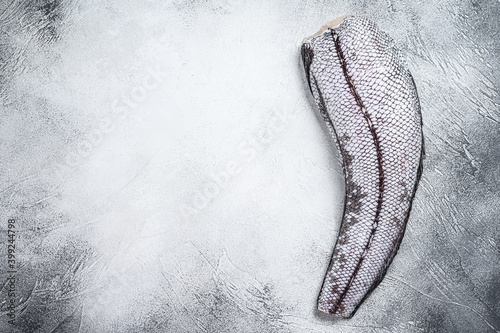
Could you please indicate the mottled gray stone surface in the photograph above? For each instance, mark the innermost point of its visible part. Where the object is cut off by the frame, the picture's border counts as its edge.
(167, 170)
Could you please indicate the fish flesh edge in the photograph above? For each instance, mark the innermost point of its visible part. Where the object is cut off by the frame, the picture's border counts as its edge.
(367, 96)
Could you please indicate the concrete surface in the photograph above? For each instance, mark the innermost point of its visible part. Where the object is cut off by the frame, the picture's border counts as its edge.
(167, 170)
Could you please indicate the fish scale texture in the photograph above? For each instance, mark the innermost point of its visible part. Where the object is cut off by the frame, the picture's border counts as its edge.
(368, 98)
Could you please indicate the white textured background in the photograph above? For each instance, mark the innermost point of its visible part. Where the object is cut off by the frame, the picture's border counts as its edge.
(169, 173)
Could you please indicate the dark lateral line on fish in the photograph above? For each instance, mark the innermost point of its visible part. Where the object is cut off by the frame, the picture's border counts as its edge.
(381, 178)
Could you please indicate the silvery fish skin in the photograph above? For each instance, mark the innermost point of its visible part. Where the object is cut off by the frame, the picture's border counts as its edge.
(367, 96)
